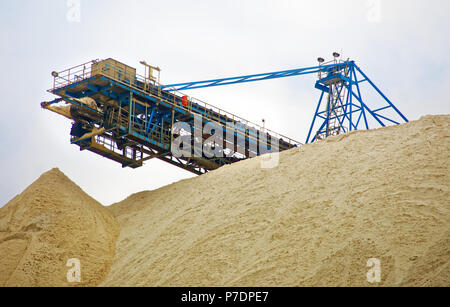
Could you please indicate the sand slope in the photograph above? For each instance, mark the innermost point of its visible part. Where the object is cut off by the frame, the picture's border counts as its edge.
(314, 220)
(52, 221)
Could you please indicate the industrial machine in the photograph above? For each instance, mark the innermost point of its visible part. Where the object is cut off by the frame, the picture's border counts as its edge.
(130, 118)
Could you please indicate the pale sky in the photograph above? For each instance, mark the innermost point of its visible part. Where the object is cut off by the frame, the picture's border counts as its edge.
(402, 45)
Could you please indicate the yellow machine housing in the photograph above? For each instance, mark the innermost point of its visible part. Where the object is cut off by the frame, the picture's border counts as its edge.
(114, 69)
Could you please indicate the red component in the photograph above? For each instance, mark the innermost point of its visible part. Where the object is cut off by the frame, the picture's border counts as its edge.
(185, 101)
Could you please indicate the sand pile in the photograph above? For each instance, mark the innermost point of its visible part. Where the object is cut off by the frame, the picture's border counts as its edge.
(52, 221)
(315, 219)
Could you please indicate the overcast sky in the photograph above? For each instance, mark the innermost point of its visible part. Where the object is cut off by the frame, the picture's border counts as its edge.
(402, 45)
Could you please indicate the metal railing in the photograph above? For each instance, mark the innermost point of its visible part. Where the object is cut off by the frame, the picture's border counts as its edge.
(323, 73)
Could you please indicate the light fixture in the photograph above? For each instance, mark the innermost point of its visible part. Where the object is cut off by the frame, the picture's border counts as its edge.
(336, 55)
(55, 74)
(321, 60)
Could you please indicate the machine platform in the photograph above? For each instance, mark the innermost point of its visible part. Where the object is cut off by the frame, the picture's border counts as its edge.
(130, 119)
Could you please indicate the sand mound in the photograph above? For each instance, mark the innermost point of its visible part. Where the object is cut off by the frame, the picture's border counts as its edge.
(314, 220)
(52, 221)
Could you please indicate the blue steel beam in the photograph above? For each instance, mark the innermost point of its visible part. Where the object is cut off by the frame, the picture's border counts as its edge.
(359, 93)
(381, 94)
(150, 119)
(255, 77)
(315, 115)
